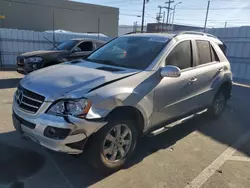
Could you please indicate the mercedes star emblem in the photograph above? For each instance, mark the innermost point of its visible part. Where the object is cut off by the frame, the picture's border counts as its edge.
(19, 97)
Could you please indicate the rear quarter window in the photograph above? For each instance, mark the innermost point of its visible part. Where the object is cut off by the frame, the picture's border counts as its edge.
(223, 47)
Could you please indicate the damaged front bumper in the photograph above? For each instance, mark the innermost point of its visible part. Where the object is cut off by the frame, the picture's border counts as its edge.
(62, 134)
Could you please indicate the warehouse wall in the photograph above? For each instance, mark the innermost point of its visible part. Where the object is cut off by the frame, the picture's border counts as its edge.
(238, 49)
(73, 16)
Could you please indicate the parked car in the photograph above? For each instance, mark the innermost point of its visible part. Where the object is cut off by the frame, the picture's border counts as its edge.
(134, 85)
(66, 51)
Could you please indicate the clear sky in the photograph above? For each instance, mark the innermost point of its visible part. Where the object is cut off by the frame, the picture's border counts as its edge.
(189, 12)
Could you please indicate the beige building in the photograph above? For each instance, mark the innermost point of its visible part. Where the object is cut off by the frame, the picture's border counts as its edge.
(41, 15)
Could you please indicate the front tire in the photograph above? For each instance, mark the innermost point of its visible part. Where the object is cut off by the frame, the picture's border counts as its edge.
(113, 144)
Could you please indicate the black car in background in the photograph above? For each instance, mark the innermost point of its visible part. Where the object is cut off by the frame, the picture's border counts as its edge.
(66, 51)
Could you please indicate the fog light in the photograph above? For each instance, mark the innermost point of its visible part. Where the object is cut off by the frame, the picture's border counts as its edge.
(34, 66)
(56, 133)
(51, 131)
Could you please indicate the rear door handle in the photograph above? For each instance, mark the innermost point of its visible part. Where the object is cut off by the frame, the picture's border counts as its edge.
(193, 80)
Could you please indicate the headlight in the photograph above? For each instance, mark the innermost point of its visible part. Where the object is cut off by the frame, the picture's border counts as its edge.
(33, 60)
(74, 107)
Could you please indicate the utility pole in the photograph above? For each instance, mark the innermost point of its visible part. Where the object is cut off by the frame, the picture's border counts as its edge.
(226, 24)
(168, 7)
(159, 21)
(163, 22)
(143, 14)
(205, 25)
(158, 18)
(170, 18)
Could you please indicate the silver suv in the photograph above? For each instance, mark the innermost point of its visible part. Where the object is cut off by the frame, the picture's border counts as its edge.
(133, 85)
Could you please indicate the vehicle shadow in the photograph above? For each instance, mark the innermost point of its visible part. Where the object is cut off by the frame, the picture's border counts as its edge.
(7, 69)
(9, 83)
(24, 162)
(17, 163)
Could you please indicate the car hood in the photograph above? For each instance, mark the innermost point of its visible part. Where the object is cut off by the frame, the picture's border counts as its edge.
(43, 53)
(71, 80)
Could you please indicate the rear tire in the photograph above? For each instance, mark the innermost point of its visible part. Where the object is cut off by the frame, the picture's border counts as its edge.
(109, 152)
(218, 104)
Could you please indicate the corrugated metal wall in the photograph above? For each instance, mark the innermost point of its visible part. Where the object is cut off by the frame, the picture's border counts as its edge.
(14, 42)
(238, 49)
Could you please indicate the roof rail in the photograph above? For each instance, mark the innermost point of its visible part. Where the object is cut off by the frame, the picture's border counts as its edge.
(196, 33)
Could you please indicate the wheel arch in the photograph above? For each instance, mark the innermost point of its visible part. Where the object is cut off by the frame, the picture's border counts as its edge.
(226, 88)
(130, 112)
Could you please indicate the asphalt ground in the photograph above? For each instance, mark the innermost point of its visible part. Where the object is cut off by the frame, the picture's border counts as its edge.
(199, 153)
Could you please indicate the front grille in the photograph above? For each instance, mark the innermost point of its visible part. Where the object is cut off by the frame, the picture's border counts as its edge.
(28, 100)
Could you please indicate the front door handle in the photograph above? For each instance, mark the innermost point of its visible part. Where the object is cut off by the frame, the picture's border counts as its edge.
(192, 80)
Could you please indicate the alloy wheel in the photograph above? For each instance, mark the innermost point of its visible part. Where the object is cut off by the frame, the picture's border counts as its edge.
(117, 143)
(219, 104)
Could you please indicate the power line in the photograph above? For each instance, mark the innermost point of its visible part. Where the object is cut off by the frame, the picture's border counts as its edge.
(229, 8)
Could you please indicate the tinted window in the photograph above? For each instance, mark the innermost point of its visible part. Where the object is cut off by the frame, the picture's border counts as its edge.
(99, 44)
(130, 51)
(86, 46)
(223, 47)
(204, 53)
(181, 55)
(214, 54)
(67, 45)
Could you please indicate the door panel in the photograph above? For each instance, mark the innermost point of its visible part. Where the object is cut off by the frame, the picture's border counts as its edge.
(208, 79)
(209, 73)
(174, 97)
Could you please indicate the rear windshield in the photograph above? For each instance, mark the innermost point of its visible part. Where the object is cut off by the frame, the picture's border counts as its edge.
(131, 52)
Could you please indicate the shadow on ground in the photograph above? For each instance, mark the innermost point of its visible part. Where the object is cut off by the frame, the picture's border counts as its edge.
(9, 83)
(19, 163)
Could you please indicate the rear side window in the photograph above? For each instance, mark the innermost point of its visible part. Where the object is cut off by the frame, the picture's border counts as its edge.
(99, 44)
(214, 54)
(204, 52)
(181, 55)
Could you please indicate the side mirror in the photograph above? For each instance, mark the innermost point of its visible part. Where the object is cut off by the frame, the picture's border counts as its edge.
(170, 71)
(76, 49)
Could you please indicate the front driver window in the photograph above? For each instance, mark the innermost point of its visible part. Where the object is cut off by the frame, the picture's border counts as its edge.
(180, 56)
(86, 46)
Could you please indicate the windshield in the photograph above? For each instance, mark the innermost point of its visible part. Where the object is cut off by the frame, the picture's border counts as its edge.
(67, 45)
(131, 52)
